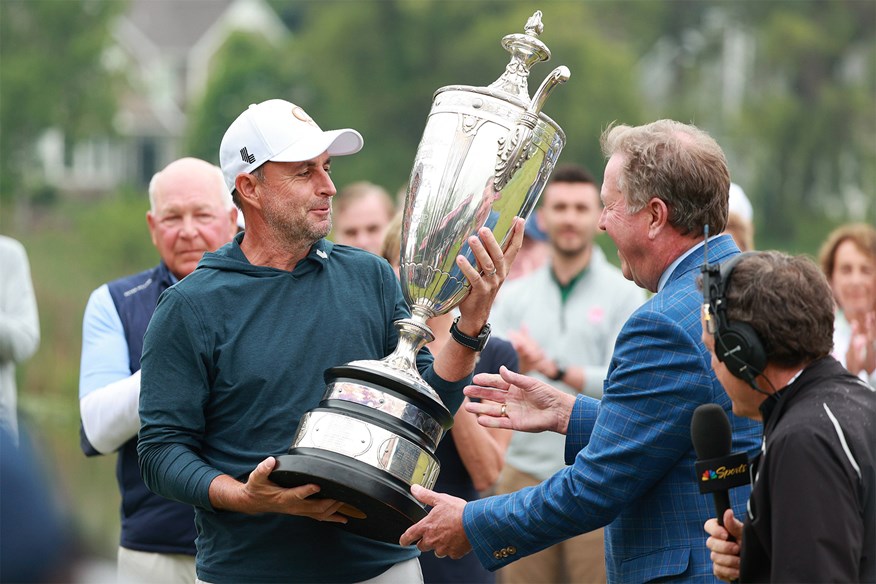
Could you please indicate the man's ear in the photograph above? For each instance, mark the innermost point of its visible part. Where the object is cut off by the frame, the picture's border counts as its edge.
(152, 223)
(245, 183)
(658, 216)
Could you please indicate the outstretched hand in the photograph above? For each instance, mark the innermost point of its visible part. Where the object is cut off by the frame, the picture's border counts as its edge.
(725, 554)
(441, 530)
(519, 402)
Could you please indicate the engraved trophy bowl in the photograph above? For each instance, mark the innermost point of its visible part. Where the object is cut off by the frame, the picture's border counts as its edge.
(484, 159)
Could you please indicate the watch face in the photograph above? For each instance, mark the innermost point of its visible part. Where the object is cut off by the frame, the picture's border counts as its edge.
(484, 336)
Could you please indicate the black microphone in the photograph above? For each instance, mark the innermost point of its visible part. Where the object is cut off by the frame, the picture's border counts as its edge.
(718, 470)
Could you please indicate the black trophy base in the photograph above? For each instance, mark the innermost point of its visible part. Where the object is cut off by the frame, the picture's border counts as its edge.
(376, 507)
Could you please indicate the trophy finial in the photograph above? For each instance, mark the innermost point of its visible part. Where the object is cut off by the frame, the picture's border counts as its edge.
(526, 50)
(534, 27)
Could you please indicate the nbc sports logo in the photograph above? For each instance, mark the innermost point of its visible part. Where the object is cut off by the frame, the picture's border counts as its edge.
(722, 473)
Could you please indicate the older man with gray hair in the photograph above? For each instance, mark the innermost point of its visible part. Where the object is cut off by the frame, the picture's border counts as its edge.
(190, 213)
(630, 455)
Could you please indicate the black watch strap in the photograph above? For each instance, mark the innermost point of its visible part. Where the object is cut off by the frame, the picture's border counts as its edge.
(474, 343)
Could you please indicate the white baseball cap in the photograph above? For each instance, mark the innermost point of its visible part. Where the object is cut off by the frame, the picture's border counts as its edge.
(278, 131)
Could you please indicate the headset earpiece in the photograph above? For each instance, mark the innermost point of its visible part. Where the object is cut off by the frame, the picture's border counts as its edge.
(741, 350)
(737, 345)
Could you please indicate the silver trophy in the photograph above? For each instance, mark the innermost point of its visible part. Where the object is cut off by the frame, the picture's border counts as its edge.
(484, 159)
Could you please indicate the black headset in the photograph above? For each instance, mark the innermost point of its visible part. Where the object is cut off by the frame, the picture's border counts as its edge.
(737, 345)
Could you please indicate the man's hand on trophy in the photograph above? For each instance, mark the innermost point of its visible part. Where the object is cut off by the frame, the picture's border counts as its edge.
(518, 402)
(493, 265)
(261, 495)
(441, 530)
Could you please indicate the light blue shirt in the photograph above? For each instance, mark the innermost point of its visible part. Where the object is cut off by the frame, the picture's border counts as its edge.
(105, 355)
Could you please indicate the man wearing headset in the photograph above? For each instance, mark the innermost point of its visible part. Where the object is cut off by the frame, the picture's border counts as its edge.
(768, 323)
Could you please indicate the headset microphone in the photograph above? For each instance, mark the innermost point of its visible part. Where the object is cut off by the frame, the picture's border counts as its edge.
(711, 277)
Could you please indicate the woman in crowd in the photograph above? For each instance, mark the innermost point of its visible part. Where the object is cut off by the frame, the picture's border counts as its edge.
(848, 258)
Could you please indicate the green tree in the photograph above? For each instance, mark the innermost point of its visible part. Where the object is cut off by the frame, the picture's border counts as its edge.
(813, 108)
(376, 65)
(802, 138)
(50, 76)
(245, 70)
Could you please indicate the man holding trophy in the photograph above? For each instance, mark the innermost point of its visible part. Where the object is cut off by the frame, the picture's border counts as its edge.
(236, 355)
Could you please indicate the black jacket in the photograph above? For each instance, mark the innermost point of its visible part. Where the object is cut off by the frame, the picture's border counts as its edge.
(812, 511)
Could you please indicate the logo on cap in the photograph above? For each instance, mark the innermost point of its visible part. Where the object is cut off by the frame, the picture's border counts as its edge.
(246, 156)
(299, 113)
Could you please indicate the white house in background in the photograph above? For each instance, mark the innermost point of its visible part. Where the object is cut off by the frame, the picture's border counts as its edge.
(164, 49)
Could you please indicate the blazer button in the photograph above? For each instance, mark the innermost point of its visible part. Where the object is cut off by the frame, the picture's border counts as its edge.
(512, 550)
(497, 555)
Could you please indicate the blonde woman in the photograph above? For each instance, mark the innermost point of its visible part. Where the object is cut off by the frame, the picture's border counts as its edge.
(848, 259)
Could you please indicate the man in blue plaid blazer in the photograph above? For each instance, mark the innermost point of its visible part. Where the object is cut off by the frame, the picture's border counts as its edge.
(631, 457)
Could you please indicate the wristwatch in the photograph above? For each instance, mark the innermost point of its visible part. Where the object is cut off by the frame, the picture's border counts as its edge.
(474, 343)
(561, 371)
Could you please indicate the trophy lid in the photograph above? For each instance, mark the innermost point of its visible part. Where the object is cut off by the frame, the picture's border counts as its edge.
(512, 86)
(526, 50)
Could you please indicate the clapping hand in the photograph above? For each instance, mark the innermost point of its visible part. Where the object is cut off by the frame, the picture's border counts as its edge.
(861, 355)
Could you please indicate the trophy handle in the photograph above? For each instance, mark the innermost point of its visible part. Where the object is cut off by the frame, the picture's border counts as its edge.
(514, 148)
(558, 76)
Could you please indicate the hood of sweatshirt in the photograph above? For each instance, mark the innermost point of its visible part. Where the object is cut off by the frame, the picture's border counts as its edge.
(230, 258)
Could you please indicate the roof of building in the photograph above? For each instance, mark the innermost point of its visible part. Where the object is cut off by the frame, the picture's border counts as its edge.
(175, 24)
